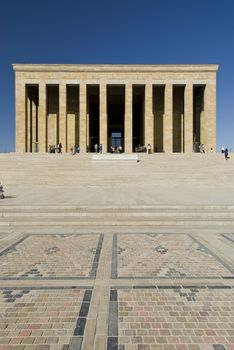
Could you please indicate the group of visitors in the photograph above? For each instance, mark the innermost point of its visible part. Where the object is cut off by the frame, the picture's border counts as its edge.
(118, 149)
(202, 148)
(75, 150)
(223, 150)
(52, 149)
(2, 196)
(144, 148)
(55, 149)
(98, 148)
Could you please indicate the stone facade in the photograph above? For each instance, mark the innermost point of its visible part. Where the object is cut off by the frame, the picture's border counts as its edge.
(170, 107)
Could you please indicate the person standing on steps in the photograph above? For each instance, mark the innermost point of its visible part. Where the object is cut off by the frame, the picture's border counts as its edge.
(226, 154)
(149, 148)
(59, 147)
(201, 148)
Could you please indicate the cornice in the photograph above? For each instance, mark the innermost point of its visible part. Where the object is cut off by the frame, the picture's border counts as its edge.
(115, 67)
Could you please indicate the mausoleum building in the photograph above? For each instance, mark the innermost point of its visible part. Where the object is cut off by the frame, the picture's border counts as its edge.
(170, 107)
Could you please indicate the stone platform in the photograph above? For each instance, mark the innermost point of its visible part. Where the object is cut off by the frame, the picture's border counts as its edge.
(157, 179)
(116, 276)
(116, 157)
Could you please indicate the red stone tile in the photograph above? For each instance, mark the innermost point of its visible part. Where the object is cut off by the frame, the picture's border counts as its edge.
(25, 333)
(210, 332)
(34, 326)
(181, 347)
(230, 347)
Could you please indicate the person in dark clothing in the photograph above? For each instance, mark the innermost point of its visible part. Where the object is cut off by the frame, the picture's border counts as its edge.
(226, 154)
(2, 196)
(60, 147)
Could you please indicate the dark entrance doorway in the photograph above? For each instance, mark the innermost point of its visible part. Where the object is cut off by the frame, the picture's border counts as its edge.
(115, 110)
(116, 139)
(93, 123)
(198, 112)
(138, 115)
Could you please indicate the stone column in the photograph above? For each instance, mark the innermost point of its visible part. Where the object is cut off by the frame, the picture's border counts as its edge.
(73, 126)
(188, 119)
(63, 116)
(103, 117)
(83, 118)
(128, 119)
(20, 110)
(202, 127)
(52, 138)
(182, 132)
(28, 124)
(168, 119)
(71, 121)
(34, 113)
(87, 133)
(209, 121)
(149, 117)
(42, 119)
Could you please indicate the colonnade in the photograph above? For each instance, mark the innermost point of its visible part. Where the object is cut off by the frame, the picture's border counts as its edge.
(207, 122)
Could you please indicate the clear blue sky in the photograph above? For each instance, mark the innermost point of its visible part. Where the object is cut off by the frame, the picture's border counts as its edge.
(121, 31)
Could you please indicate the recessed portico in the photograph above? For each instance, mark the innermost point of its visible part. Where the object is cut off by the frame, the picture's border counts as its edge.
(172, 108)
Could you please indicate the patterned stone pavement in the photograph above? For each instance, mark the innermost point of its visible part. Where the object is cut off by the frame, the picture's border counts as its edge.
(229, 236)
(165, 256)
(171, 318)
(43, 318)
(52, 256)
(89, 291)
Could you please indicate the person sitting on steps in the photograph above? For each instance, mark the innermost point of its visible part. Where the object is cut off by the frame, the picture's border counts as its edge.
(2, 196)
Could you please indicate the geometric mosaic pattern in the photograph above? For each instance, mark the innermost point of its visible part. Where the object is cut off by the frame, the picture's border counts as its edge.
(190, 308)
(43, 318)
(171, 318)
(165, 256)
(52, 256)
(229, 236)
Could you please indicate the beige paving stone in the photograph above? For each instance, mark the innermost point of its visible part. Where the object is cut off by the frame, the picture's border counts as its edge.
(100, 342)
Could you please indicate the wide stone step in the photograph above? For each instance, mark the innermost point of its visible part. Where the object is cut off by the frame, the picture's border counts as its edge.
(194, 209)
(115, 157)
(113, 223)
(122, 215)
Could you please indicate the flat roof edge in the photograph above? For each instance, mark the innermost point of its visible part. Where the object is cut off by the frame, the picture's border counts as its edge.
(115, 67)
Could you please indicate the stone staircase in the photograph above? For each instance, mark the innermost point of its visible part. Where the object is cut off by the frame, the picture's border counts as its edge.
(178, 191)
(161, 216)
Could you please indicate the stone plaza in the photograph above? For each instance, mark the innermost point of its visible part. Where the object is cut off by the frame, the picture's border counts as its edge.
(117, 254)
